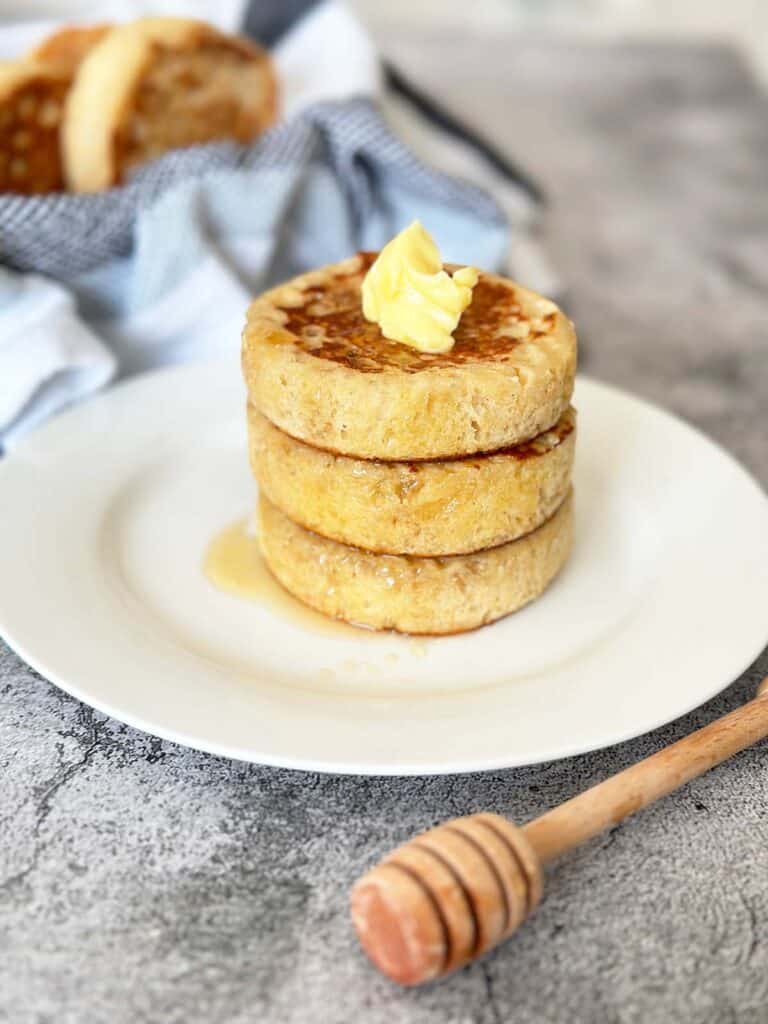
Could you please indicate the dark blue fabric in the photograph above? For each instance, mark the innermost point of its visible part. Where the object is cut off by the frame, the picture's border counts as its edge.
(269, 20)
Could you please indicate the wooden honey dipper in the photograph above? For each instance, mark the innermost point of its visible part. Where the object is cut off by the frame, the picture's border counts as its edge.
(453, 893)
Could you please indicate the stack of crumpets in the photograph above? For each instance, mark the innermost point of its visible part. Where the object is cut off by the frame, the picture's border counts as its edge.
(89, 105)
(411, 432)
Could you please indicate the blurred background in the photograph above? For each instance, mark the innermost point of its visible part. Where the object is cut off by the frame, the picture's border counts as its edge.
(744, 22)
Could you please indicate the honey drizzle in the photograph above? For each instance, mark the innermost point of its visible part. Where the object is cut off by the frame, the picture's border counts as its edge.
(234, 564)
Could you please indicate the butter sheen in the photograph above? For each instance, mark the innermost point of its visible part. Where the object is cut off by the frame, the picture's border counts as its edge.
(411, 297)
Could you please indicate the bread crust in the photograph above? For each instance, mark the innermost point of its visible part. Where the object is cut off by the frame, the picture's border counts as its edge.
(332, 380)
(413, 595)
(131, 102)
(438, 507)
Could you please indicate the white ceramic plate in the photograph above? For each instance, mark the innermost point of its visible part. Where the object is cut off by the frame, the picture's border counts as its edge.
(106, 513)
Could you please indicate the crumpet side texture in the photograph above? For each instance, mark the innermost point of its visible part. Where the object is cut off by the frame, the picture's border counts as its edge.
(413, 595)
(437, 507)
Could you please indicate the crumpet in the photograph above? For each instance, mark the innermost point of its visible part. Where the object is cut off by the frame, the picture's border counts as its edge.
(158, 84)
(31, 101)
(68, 47)
(413, 595)
(321, 372)
(438, 507)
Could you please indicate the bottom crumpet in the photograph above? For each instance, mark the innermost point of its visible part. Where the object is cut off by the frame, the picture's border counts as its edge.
(409, 594)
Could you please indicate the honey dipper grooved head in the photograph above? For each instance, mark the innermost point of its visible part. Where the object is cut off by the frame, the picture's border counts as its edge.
(445, 897)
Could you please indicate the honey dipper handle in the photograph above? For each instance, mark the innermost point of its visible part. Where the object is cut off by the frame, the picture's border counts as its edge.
(611, 801)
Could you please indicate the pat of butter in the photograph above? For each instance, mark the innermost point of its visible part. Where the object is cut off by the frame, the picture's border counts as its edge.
(409, 295)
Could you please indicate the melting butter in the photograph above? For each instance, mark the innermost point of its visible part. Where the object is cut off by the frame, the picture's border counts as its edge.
(409, 295)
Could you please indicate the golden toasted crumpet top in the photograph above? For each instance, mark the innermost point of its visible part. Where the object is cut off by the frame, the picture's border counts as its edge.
(411, 297)
(413, 595)
(67, 47)
(158, 84)
(437, 507)
(31, 100)
(319, 370)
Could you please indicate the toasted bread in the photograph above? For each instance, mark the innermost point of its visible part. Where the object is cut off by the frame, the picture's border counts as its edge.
(68, 47)
(157, 84)
(437, 507)
(31, 101)
(413, 595)
(321, 372)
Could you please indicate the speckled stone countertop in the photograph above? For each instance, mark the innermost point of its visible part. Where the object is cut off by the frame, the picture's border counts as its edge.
(140, 881)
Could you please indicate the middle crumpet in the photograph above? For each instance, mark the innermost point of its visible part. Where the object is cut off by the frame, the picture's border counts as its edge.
(437, 507)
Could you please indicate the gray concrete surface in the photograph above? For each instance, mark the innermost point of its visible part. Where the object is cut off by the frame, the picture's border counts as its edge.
(141, 882)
